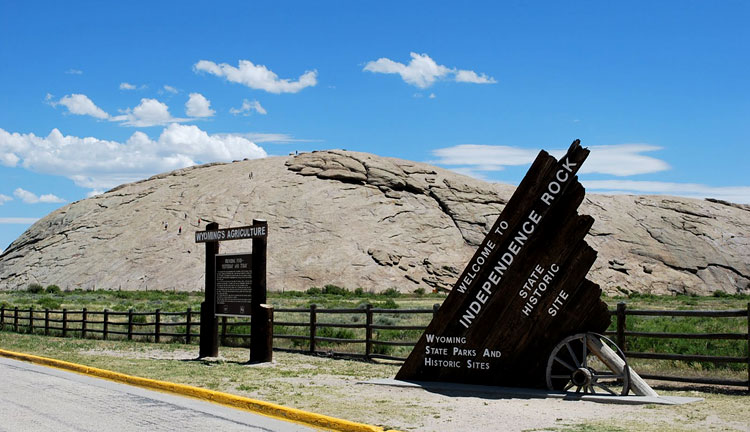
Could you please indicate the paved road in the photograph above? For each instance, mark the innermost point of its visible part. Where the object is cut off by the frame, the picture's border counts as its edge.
(36, 398)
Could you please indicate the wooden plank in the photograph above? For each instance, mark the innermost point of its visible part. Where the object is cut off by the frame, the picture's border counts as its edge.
(725, 336)
(686, 357)
(687, 313)
(617, 365)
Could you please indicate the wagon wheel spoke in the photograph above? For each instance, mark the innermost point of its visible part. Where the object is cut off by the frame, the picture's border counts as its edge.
(591, 387)
(606, 376)
(578, 390)
(560, 377)
(575, 359)
(567, 387)
(562, 362)
(605, 388)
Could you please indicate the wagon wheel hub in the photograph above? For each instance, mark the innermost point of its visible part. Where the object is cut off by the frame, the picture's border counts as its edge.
(581, 377)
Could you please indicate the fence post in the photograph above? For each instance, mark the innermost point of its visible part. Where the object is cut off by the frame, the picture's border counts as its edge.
(15, 320)
(84, 316)
(65, 323)
(621, 326)
(261, 340)
(46, 321)
(224, 331)
(435, 308)
(368, 331)
(187, 326)
(105, 324)
(157, 326)
(130, 324)
(31, 320)
(313, 322)
(2, 318)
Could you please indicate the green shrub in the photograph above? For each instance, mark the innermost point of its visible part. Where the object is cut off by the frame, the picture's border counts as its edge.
(335, 290)
(637, 295)
(419, 291)
(49, 303)
(34, 288)
(382, 349)
(388, 304)
(139, 319)
(333, 332)
(359, 291)
(314, 291)
(391, 292)
(52, 289)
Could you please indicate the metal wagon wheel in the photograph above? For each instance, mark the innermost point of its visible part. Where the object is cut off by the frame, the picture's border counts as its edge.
(573, 364)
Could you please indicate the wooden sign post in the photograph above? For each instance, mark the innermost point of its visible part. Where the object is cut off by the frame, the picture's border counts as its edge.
(522, 292)
(236, 286)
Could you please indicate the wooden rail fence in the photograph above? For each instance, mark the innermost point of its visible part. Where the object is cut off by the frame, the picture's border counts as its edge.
(364, 333)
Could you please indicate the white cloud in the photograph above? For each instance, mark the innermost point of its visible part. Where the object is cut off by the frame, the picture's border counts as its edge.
(127, 86)
(422, 71)
(79, 104)
(257, 76)
(4, 199)
(109, 163)
(170, 89)
(248, 107)
(260, 137)
(8, 159)
(485, 155)
(737, 194)
(30, 198)
(74, 72)
(618, 160)
(472, 77)
(198, 106)
(18, 220)
(623, 160)
(150, 112)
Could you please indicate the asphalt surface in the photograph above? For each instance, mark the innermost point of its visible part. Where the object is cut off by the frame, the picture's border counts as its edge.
(37, 398)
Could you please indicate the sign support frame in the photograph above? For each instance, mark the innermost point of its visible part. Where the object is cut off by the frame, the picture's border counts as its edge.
(261, 324)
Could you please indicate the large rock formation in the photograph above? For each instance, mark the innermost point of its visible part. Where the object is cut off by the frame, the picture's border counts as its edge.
(359, 220)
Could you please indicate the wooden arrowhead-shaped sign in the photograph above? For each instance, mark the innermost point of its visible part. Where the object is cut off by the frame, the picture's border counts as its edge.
(524, 290)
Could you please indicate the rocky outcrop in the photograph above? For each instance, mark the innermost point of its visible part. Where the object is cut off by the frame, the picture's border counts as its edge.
(359, 220)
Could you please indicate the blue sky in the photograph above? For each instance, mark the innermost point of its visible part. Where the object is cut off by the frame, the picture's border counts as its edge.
(95, 94)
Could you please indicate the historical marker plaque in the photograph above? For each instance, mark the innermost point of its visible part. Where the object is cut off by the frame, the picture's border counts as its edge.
(523, 291)
(234, 279)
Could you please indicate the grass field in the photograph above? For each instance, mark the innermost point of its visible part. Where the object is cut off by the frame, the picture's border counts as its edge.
(332, 296)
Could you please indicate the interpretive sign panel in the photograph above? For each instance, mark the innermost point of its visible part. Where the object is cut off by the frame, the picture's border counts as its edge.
(522, 292)
(234, 279)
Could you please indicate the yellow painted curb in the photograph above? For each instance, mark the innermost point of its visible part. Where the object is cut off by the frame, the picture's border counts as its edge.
(266, 408)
